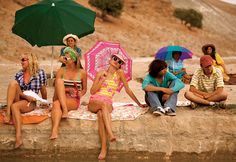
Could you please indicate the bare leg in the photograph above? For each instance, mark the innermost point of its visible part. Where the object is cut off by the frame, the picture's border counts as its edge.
(102, 134)
(94, 106)
(60, 93)
(218, 97)
(194, 98)
(17, 108)
(107, 121)
(57, 115)
(56, 118)
(13, 92)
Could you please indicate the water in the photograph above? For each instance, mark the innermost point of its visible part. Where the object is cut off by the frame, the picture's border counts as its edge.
(91, 156)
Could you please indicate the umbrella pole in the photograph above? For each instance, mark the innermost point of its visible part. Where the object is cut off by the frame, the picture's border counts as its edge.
(52, 62)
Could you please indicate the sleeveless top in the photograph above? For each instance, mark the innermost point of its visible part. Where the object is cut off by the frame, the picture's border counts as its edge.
(78, 76)
(109, 86)
(77, 83)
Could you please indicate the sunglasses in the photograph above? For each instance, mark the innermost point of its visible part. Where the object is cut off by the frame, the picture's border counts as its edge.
(67, 58)
(24, 59)
(114, 58)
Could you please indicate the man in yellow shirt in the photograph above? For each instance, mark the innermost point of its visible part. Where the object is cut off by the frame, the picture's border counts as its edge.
(207, 85)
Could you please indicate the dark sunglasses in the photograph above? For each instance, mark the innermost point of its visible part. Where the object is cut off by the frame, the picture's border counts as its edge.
(24, 59)
(67, 58)
(117, 59)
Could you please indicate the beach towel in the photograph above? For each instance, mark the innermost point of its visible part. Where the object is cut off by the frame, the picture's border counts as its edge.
(36, 116)
(121, 111)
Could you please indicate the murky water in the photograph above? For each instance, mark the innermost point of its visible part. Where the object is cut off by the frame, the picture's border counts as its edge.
(91, 156)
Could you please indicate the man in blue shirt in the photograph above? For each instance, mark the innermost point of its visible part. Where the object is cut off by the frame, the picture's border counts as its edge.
(162, 88)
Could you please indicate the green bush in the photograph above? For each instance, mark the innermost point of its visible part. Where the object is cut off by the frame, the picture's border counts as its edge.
(108, 7)
(189, 16)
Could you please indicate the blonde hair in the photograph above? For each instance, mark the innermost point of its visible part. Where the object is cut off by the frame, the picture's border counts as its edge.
(33, 63)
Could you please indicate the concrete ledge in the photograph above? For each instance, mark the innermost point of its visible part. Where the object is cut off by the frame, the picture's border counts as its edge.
(190, 132)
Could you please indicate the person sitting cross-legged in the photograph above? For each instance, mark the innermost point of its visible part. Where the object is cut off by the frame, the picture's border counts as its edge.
(207, 85)
(161, 89)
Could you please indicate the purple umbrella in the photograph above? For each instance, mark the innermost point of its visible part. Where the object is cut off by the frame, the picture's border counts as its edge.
(165, 53)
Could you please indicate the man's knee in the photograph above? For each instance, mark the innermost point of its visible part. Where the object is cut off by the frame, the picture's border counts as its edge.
(224, 95)
(188, 94)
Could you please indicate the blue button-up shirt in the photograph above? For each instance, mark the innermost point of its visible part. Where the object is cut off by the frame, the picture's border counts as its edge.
(35, 83)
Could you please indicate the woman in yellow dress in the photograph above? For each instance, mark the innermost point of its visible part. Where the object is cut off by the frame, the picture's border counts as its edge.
(209, 49)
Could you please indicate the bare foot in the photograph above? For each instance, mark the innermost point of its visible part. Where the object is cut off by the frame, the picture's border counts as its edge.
(53, 136)
(102, 155)
(113, 139)
(64, 115)
(18, 143)
(7, 118)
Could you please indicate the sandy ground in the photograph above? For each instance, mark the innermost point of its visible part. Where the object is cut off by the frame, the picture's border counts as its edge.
(140, 66)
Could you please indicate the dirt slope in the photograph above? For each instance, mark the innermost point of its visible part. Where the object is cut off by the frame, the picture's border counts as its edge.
(143, 28)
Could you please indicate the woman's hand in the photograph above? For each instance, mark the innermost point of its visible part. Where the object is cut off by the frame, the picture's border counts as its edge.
(103, 76)
(30, 99)
(143, 105)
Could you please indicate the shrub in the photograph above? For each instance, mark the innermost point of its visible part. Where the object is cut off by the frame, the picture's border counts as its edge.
(108, 7)
(189, 16)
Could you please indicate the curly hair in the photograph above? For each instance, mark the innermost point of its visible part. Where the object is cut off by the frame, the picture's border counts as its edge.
(156, 66)
(33, 63)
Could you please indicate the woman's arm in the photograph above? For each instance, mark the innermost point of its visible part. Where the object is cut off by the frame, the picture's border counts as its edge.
(225, 70)
(127, 89)
(99, 79)
(59, 73)
(43, 92)
(62, 59)
(84, 82)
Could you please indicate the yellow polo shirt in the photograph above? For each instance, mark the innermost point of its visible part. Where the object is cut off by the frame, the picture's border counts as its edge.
(205, 83)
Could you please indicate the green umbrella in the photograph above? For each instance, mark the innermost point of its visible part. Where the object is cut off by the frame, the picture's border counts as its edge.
(47, 22)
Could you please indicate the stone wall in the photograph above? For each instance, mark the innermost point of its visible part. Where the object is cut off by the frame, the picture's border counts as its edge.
(197, 132)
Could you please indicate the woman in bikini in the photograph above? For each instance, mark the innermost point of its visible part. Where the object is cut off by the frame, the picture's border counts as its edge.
(102, 92)
(67, 98)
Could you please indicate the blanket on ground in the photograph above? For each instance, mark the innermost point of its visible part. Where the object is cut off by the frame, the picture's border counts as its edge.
(121, 111)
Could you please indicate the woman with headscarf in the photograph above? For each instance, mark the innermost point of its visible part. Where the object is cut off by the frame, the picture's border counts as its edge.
(70, 86)
(209, 49)
(30, 77)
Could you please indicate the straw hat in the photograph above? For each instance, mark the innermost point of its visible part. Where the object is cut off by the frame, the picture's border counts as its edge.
(70, 36)
(204, 48)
